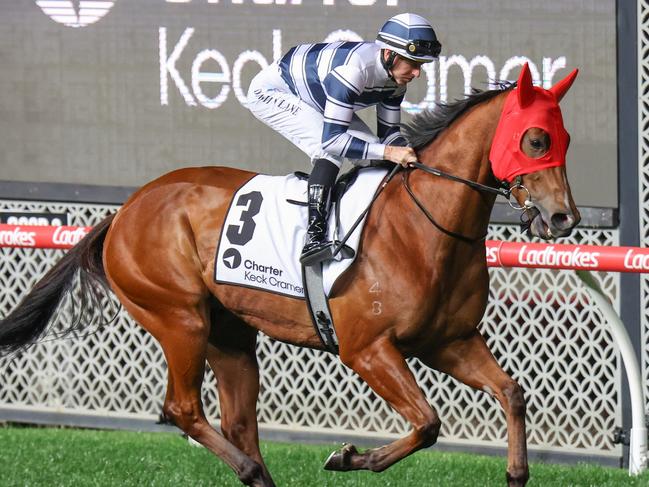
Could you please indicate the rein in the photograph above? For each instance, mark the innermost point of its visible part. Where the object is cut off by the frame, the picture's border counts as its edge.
(385, 182)
(505, 191)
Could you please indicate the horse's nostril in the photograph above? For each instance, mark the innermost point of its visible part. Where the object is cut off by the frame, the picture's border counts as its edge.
(562, 221)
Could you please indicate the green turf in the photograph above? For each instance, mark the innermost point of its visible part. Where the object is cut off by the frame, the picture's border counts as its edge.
(68, 457)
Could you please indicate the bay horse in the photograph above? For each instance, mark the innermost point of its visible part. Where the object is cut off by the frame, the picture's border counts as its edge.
(414, 290)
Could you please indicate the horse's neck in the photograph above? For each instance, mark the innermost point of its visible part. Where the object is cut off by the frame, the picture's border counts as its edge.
(461, 150)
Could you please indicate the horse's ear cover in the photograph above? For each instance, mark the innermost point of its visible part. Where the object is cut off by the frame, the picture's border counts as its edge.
(525, 107)
(525, 87)
(560, 88)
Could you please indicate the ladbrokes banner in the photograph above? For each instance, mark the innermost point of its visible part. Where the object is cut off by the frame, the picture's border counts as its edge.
(119, 92)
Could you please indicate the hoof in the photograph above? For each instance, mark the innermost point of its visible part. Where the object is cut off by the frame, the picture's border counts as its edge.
(518, 480)
(252, 474)
(340, 461)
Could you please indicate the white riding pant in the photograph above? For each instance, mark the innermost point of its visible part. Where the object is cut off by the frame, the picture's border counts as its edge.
(271, 101)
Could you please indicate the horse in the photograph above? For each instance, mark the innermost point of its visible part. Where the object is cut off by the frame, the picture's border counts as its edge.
(417, 288)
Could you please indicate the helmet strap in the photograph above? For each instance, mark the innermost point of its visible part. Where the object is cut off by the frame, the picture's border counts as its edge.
(389, 62)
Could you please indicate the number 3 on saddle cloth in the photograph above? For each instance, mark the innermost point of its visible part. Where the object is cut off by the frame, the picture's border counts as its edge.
(264, 232)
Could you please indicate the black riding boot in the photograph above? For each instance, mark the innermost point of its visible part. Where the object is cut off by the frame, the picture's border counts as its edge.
(317, 248)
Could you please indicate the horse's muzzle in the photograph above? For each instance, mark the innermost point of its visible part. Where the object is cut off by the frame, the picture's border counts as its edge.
(555, 226)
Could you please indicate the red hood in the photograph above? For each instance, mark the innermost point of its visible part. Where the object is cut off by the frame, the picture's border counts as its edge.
(529, 106)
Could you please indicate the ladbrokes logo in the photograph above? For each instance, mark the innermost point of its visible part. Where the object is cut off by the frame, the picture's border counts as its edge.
(74, 13)
(552, 257)
(636, 259)
(17, 238)
(68, 236)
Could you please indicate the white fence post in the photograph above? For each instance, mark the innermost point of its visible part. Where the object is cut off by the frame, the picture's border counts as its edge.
(638, 436)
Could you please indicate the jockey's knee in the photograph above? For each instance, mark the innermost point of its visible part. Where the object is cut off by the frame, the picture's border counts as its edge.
(320, 155)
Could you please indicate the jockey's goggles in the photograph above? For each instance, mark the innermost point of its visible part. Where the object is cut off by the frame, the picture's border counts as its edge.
(424, 48)
(418, 47)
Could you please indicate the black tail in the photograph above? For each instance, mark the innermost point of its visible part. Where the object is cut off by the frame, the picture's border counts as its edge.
(33, 316)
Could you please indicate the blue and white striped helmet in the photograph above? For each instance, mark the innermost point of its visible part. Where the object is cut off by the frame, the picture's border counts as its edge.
(410, 36)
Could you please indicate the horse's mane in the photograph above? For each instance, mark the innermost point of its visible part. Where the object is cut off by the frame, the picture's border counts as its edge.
(426, 126)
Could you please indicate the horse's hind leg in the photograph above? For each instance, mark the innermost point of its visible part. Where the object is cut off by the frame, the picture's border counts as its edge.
(183, 334)
(470, 361)
(385, 370)
(233, 359)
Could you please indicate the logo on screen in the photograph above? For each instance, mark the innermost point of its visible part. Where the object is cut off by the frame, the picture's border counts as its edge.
(74, 13)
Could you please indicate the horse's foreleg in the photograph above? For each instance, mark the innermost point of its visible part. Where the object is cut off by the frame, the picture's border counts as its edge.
(233, 359)
(385, 370)
(470, 361)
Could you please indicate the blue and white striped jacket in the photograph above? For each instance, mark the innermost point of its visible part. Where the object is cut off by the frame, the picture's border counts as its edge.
(338, 79)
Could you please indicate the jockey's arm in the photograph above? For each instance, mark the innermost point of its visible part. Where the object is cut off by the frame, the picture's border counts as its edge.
(343, 87)
(388, 119)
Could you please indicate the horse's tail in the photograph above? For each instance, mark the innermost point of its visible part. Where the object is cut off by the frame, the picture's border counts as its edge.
(33, 316)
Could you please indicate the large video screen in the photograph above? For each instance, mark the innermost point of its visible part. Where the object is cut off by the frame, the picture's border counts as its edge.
(119, 92)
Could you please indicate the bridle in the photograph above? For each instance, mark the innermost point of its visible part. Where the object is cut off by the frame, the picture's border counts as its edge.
(505, 190)
(528, 209)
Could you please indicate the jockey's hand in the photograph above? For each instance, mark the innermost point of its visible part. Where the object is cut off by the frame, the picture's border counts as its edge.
(400, 155)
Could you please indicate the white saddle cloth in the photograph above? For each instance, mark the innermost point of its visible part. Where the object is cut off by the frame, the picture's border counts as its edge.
(263, 234)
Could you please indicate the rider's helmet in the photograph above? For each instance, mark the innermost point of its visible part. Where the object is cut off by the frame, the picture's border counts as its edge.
(410, 36)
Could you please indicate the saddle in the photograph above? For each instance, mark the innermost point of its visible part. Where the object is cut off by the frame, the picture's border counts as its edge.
(264, 229)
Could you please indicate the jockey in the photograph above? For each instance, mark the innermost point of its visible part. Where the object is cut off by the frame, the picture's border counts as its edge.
(310, 96)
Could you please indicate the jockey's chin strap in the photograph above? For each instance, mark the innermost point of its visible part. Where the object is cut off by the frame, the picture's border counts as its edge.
(528, 209)
(389, 62)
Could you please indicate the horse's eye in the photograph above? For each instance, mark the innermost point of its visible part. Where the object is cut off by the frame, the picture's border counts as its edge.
(536, 144)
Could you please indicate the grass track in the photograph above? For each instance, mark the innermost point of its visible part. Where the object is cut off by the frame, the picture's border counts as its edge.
(67, 457)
